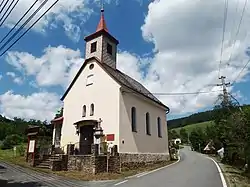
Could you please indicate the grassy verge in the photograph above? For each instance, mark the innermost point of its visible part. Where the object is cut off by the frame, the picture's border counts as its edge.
(8, 156)
(234, 176)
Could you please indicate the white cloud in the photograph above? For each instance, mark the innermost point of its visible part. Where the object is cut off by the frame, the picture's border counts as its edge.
(68, 13)
(57, 66)
(16, 79)
(1, 77)
(65, 12)
(11, 74)
(187, 38)
(40, 106)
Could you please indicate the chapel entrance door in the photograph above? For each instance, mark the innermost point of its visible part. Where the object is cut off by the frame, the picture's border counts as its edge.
(86, 139)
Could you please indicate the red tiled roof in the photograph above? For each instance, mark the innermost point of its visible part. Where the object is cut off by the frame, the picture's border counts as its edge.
(56, 120)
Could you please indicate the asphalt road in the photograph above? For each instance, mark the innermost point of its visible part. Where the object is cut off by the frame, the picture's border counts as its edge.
(193, 170)
(22, 177)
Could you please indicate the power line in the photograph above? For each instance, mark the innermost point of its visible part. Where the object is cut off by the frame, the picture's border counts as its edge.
(186, 93)
(9, 13)
(4, 6)
(1, 3)
(238, 30)
(235, 18)
(19, 21)
(24, 24)
(29, 28)
(223, 34)
(236, 11)
(240, 72)
(178, 93)
(7, 10)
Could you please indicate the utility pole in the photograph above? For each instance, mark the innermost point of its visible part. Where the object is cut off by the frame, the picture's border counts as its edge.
(225, 93)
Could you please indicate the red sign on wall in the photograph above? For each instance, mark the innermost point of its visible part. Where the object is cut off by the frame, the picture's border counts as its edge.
(110, 137)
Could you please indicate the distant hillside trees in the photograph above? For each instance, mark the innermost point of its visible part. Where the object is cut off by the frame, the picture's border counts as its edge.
(230, 130)
(13, 132)
(199, 117)
(192, 119)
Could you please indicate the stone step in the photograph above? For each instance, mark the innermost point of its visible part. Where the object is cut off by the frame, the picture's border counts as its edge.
(47, 161)
(54, 160)
(54, 157)
(43, 166)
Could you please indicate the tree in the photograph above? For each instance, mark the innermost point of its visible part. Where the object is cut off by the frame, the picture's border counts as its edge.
(197, 139)
(172, 134)
(13, 132)
(11, 140)
(59, 113)
(211, 135)
(184, 135)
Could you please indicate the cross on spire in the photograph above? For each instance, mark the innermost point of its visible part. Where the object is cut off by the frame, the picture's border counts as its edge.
(102, 5)
(102, 24)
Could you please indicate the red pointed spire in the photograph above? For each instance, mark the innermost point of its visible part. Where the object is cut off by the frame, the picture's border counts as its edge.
(102, 24)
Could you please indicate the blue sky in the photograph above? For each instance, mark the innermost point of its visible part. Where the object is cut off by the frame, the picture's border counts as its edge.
(163, 44)
(116, 16)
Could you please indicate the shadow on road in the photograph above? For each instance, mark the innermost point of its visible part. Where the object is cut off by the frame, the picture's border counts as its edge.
(2, 167)
(19, 184)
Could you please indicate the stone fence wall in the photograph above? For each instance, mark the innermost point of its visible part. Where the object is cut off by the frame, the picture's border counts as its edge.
(114, 164)
(61, 164)
(93, 164)
(132, 161)
(81, 163)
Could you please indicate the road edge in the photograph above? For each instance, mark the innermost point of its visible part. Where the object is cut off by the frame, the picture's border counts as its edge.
(152, 171)
(222, 177)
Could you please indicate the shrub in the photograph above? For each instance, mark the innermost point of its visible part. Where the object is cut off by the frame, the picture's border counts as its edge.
(11, 140)
(20, 150)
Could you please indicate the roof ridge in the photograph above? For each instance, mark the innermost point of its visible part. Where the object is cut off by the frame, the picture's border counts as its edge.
(147, 93)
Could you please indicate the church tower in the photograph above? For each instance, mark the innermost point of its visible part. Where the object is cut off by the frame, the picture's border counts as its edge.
(101, 44)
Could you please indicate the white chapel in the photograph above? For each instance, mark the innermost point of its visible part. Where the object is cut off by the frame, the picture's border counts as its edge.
(129, 116)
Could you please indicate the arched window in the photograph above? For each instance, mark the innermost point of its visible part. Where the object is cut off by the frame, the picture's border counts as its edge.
(92, 109)
(159, 127)
(133, 119)
(84, 111)
(148, 124)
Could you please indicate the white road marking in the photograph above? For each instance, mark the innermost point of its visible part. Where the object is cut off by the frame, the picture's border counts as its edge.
(121, 182)
(146, 173)
(133, 176)
(224, 184)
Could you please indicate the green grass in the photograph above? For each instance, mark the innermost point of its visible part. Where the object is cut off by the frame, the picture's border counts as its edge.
(8, 155)
(189, 128)
(234, 176)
